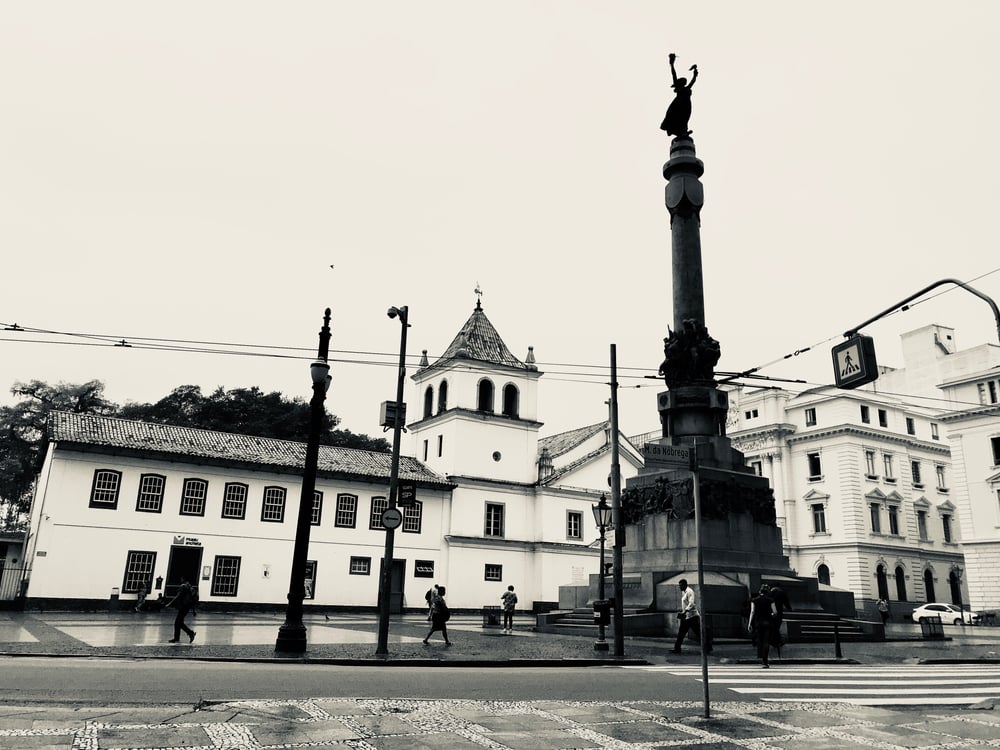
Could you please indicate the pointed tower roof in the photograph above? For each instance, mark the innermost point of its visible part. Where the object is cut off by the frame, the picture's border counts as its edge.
(479, 340)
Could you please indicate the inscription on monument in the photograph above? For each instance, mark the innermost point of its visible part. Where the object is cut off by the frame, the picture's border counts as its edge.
(674, 456)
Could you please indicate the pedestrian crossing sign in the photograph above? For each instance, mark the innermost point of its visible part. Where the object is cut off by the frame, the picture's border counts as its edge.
(854, 362)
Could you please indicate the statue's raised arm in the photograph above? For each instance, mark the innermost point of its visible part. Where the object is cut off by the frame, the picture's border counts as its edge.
(675, 122)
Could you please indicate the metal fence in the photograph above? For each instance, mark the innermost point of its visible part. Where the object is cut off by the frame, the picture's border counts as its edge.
(11, 577)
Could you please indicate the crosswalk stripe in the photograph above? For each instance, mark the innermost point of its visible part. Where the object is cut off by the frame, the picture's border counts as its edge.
(991, 683)
(868, 685)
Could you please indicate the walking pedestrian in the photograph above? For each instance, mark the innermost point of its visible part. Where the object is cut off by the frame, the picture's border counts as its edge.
(762, 614)
(183, 600)
(440, 614)
(690, 619)
(140, 597)
(509, 602)
(781, 603)
(883, 609)
(429, 598)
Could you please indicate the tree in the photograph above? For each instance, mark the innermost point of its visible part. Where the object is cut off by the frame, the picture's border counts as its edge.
(23, 439)
(248, 411)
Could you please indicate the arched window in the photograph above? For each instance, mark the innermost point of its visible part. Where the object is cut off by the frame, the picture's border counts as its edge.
(510, 399)
(900, 583)
(428, 402)
(883, 584)
(484, 401)
(443, 396)
(929, 585)
(956, 588)
(823, 575)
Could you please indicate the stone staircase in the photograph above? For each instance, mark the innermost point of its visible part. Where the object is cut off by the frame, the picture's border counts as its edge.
(579, 621)
(823, 627)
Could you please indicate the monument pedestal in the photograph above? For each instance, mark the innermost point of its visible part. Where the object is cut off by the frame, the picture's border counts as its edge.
(741, 544)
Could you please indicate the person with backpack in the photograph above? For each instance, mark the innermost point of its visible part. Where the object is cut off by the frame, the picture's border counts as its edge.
(508, 601)
(184, 600)
(440, 614)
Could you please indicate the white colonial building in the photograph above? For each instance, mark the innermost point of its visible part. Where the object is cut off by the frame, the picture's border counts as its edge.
(121, 504)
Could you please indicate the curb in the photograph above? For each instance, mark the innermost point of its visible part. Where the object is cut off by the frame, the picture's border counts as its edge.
(370, 662)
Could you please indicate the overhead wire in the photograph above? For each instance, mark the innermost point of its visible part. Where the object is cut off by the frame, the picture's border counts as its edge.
(575, 372)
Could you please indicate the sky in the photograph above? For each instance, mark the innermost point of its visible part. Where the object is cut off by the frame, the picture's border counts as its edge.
(202, 176)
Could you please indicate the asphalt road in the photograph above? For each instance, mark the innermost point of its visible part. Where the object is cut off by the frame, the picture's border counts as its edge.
(110, 681)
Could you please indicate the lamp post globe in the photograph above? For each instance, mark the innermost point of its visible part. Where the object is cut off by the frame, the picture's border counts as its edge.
(602, 517)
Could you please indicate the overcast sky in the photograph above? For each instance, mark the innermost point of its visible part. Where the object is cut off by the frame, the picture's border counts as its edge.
(191, 171)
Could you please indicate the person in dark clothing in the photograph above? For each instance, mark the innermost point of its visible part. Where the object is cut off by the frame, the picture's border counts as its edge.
(183, 600)
(762, 614)
(781, 603)
(439, 615)
(508, 602)
(883, 610)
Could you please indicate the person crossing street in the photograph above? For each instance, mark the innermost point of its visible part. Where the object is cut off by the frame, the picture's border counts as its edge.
(184, 601)
(690, 619)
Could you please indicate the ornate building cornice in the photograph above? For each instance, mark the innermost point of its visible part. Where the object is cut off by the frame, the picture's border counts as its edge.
(869, 434)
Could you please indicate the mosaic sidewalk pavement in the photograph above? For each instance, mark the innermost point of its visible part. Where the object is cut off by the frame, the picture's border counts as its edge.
(377, 724)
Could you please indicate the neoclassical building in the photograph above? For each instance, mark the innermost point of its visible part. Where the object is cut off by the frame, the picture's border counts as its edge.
(147, 504)
(862, 491)
(968, 381)
(893, 489)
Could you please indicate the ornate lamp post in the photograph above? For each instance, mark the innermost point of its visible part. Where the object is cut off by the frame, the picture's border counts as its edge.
(292, 633)
(602, 516)
(385, 580)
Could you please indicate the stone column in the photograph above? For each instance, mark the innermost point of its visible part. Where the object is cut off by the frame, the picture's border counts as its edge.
(684, 198)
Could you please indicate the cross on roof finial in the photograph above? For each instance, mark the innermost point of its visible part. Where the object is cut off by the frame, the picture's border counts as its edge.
(479, 297)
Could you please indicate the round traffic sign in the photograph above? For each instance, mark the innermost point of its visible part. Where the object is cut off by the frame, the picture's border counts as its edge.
(391, 518)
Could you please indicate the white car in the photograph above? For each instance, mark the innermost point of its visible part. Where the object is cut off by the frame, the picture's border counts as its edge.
(948, 613)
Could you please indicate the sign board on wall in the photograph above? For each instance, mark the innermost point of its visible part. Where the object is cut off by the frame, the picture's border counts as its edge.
(667, 456)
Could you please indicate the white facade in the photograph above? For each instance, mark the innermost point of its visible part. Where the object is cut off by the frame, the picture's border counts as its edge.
(857, 491)
(95, 525)
(963, 386)
(523, 504)
(974, 434)
(119, 503)
(902, 475)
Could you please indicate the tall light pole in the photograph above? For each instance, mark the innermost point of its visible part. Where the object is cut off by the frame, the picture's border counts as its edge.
(602, 516)
(616, 517)
(385, 583)
(292, 633)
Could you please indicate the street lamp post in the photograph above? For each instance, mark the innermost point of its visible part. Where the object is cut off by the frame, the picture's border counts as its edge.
(385, 583)
(292, 633)
(602, 515)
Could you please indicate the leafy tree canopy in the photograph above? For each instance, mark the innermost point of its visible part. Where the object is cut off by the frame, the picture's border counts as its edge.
(248, 411)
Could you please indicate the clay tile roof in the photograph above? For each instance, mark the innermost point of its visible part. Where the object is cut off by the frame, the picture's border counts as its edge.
(479, 340)
(567, 441)
(127, 434)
